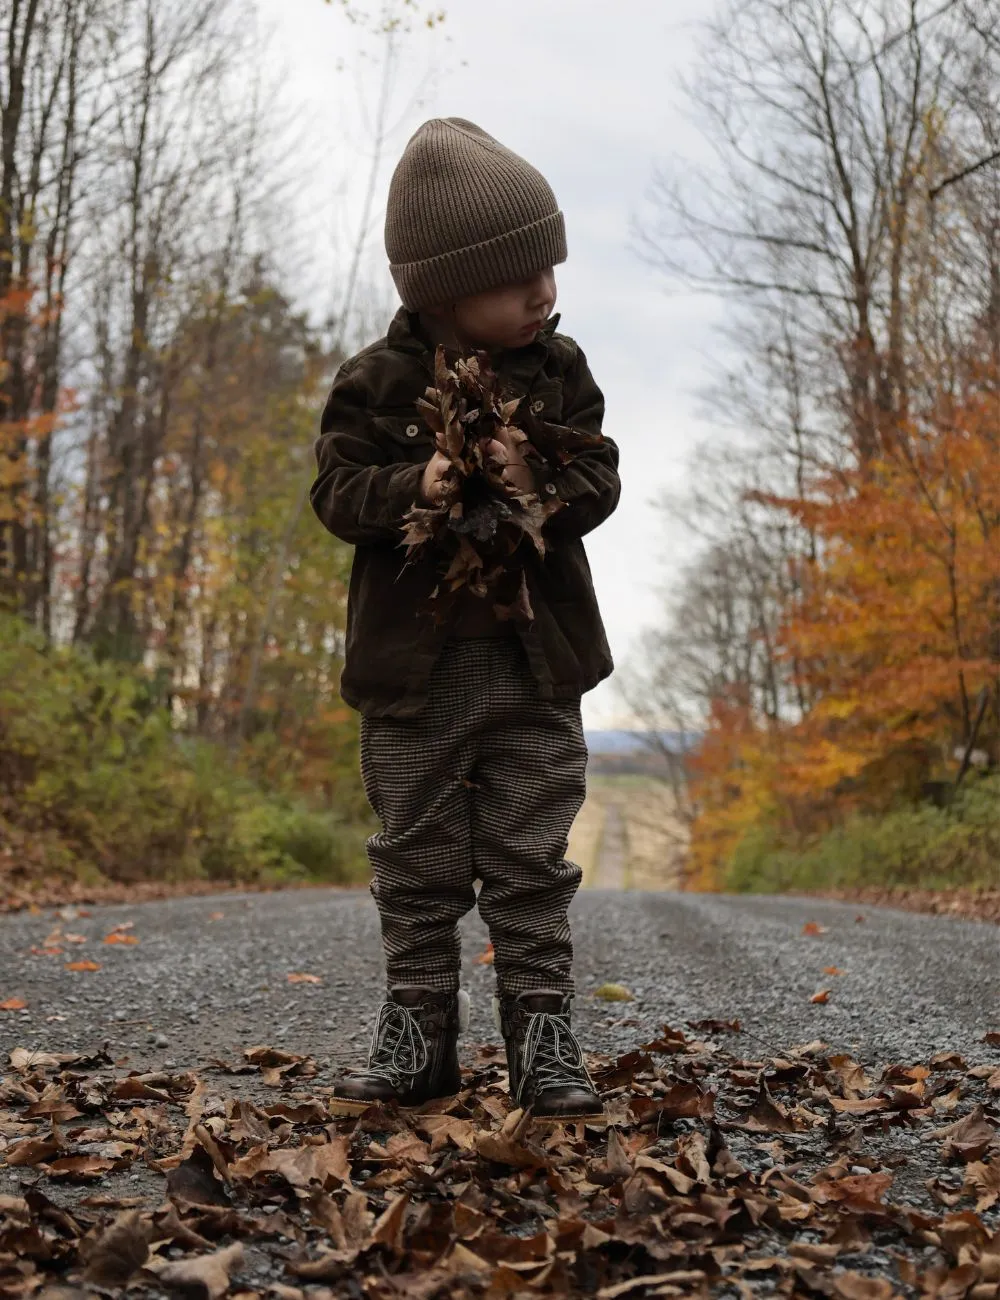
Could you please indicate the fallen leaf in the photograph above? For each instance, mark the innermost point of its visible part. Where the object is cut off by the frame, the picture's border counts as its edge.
(13, 1004)
(813, 927)
(298, 977)
(859, 1105)
(833, 970)
(83, 965)
(766, 1115)
(23, 1059)
(203, 1277)
(851, 1075)
(79, 1167)
(32, 1151)
(116, 936)
(613, 993)
(119, 1251)
(849, 1285)
(969, 1137)
(822, 996)
(485, 958)
(300, 1166)
(983, 1182)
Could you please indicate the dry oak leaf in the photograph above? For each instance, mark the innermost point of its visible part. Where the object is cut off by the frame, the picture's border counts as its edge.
(485, 958)
(858, 1286)
(13, 1004)
(982, 1180)
(851, 1074)
(83, 965)
(442, 1129)
(858, 1105)
(680, 1282)
(33, 1151)
(968, 1138)
(813, 927)
(299, 977)
(24, 1059)
(203, 1277)
(822, 996)
(669, 1042)
(79, 1167)
(856, 1191)
(119, 1251)
(767, 1116)
(116, 936)
(506, 1146)
(300, 1166)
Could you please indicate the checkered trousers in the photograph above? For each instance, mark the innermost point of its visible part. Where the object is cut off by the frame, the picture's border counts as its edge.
(484, 783)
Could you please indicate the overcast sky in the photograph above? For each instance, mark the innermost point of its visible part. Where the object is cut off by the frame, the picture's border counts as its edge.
(588, 93)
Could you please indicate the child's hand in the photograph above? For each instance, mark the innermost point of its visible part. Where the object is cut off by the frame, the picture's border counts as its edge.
(516, 472)
(434, 485)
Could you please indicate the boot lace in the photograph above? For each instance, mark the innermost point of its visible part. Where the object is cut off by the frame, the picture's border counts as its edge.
(551, 1055)
(398, 1048)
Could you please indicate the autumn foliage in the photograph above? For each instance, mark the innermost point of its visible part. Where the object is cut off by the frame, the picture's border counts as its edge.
(890, 634)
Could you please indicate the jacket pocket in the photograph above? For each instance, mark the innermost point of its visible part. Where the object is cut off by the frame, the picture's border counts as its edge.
(545, 402)
(405, 437)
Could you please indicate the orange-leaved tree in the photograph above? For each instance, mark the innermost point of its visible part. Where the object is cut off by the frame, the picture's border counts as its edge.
(892, 632)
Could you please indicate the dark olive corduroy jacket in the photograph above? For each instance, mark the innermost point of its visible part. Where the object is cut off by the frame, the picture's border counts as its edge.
(371, 454)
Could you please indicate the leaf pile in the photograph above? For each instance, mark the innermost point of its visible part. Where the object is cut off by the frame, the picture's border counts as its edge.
(798, 1174)
(478, 528)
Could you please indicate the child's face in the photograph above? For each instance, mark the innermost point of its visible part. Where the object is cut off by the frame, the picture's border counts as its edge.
(507, 317)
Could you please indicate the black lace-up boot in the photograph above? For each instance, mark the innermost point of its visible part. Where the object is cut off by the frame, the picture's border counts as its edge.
(544, 1059)
(413, 1055)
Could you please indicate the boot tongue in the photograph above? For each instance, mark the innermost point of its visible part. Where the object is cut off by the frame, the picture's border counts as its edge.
(410, 995)
(550, 1001)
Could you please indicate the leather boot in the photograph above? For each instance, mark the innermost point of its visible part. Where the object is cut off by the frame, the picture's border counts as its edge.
(413, 1055)
(544, 1060)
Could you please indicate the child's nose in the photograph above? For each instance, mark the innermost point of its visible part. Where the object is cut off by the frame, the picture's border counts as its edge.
(542, 291)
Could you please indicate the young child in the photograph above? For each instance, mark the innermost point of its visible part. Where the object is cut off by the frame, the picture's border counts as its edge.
(472, 747)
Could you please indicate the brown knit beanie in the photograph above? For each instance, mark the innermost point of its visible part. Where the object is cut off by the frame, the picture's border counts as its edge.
(465, 214)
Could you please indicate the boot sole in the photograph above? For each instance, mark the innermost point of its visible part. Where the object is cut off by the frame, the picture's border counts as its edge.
(591, 1117)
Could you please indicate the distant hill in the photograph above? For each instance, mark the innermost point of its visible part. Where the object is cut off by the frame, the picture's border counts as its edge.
(638, 742)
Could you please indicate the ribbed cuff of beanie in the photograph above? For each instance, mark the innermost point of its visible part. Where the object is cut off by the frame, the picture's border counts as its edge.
(505, 259)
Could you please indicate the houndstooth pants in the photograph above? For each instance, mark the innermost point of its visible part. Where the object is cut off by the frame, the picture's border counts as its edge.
(484, 783)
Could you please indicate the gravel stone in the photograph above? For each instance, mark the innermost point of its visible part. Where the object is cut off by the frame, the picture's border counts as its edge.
(913, 984)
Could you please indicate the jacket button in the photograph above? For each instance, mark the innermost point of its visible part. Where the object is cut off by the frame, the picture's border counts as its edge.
(551, 489)
(412, 430)
(538, 406)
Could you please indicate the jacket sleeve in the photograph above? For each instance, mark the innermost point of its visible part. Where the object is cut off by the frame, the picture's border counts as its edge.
(358, 494)
(589, 483)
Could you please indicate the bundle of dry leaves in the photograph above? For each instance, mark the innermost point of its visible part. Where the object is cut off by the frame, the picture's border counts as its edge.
(794, 1174)
(478, 528)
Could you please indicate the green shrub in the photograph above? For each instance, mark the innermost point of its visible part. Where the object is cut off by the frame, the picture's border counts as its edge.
(921, 846)
(93, 772)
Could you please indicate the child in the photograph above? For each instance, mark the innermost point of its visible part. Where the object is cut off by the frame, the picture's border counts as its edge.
(472, 747)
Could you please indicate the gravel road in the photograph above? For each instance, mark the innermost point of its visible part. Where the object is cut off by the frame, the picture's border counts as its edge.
(208, 976)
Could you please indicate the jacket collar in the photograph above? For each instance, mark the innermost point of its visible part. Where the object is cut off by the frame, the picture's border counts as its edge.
(516, 367)
(406, 334)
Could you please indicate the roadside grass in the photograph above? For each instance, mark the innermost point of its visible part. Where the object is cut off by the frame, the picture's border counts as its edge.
(98, 787)
(922, 847)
